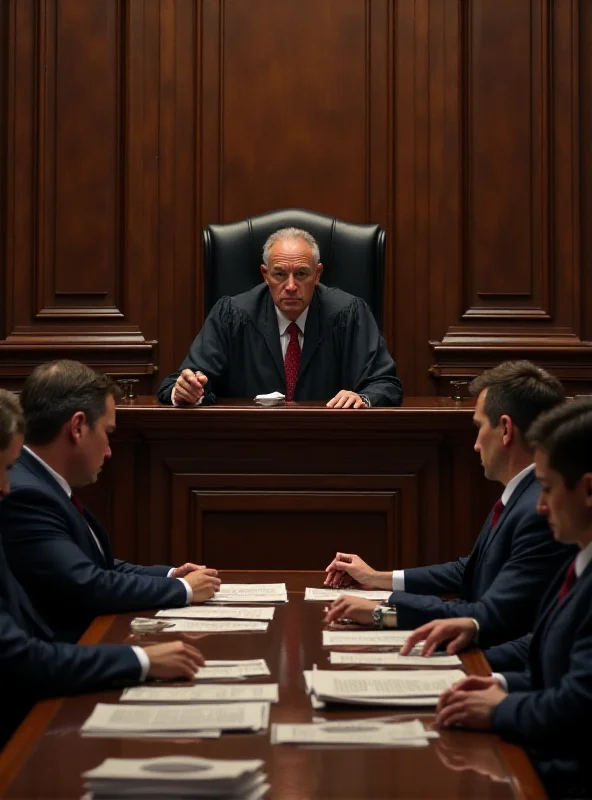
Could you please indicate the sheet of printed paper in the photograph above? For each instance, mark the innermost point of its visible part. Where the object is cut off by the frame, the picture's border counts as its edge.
(394, 660)
(172, 719)
(264, 613)
(328, 595)
(395, 638)
(251, 593)
(218, 693)
(352, 732)
(388, 684)
(217, 626)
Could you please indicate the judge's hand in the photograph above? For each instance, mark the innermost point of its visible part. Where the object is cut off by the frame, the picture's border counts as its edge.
(346, 399)
(348, 569)
(459, 633)
(189, 388)
(173, 660)
(204, 583)
(185, 569)
(357, 609)
(472, 683)
(469, 708)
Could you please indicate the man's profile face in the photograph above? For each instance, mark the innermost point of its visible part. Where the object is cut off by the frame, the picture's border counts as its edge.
(94, 445)
(7, 459)
(292, 276)
(489, 442)
(567, 510)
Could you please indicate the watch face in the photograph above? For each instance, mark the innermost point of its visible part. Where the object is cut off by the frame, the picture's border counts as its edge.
(377, 615)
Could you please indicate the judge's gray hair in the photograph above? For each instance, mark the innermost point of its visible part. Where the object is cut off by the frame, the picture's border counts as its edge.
(291, 233)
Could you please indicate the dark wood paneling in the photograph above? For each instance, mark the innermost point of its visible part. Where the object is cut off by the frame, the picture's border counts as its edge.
(461, 127)
(242, 487)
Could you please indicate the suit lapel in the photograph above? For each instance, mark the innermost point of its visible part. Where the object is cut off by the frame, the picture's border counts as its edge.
(527, 481)
(268, 326)
(102, 537)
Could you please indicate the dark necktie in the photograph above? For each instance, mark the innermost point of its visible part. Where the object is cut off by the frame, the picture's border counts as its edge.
(292, 360)
(568, 583)
(77, 504)
(495, 515)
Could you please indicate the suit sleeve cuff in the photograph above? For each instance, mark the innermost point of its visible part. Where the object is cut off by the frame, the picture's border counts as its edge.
(142, 657)
(188, 589)
(398, 580)
(501, 680)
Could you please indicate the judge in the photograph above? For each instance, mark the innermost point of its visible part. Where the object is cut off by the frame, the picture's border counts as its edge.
(292, 335)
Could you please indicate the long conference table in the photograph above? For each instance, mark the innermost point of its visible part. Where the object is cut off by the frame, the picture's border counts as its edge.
(46, 756)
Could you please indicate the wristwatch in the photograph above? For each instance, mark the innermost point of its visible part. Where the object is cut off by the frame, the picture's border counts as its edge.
(385, 616)
(366, 400)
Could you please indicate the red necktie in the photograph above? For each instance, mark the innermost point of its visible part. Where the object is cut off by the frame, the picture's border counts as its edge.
(497, 510)
(292, 360)
(77, 504)
(568, 583)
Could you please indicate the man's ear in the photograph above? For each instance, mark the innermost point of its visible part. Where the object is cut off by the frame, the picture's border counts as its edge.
(264, 272)
(509, 430)
(318, 273)
(76, 425)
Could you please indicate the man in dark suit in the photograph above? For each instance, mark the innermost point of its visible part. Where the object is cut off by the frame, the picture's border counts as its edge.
(500, 583)
(32, 665)
(56, 549)
(547, 706)
(290, 335)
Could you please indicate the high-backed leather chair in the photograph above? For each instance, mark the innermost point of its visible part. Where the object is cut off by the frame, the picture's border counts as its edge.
(352, 255)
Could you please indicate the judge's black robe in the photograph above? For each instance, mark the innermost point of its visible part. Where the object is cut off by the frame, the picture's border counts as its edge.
(239, 350)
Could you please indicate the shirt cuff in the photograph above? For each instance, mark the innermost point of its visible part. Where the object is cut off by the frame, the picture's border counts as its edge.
(177, 405)
(398, 580)
(501, 680)
(144, 660)
(477, 629)
(188, 589)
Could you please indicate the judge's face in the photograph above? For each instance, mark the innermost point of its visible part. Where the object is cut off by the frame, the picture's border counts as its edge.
(569, 511)
(291, 275)
(7, 459)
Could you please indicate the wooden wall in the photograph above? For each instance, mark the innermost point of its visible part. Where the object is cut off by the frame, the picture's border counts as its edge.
(461, 126)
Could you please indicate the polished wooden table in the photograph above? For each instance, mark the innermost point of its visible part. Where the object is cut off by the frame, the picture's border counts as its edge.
(46, 756)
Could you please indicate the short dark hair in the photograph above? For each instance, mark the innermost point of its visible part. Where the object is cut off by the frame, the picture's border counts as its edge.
(519, 389)
(55, 391)
(565, 434)
(11, 418)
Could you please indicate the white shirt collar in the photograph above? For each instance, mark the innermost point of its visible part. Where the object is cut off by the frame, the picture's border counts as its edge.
(62, 481)
(283, 320)
(511, 486)
(583, 558)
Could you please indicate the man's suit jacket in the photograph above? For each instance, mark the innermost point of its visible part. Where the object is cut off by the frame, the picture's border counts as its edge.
(549, 705)
(502, 581)
(239, 350)
(52, 554)
(33, 666)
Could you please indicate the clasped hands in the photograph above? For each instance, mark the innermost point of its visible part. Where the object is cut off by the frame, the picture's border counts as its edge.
(190, 387)
(204, 582)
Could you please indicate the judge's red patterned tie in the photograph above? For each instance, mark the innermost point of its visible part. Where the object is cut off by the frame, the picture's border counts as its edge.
(497, 510)
(292, 360)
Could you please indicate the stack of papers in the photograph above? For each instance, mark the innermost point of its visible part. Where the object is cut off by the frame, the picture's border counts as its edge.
(354, 636)
(213, 693)
(395, 659)
(232, 670)
(216, 626)
(251, 593)
(139, 721)
(177, 777)
(354, 732)
(393, 688)
(328, 595)
(264, 614)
